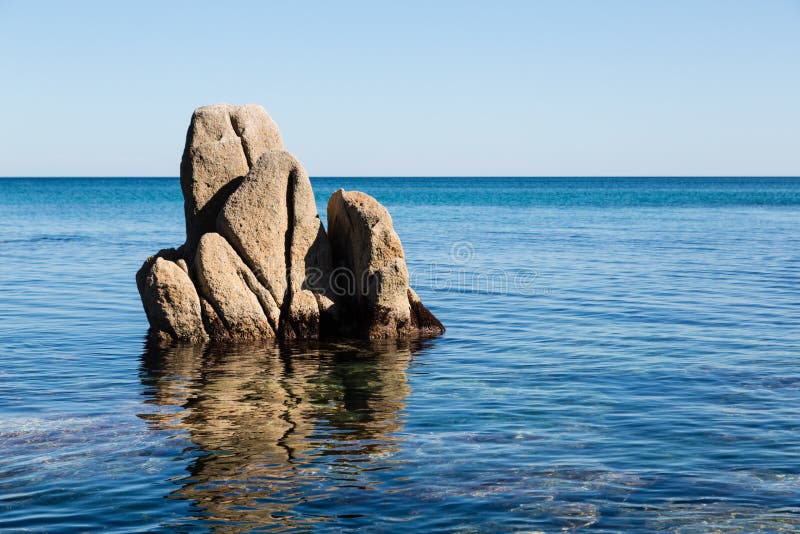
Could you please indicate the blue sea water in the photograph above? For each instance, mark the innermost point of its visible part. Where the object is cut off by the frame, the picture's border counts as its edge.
(621, 354)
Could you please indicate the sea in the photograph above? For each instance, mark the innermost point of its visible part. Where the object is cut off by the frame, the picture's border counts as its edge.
(621, 354)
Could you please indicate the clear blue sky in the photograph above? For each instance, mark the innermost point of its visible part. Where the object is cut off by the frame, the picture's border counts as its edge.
(561, 87)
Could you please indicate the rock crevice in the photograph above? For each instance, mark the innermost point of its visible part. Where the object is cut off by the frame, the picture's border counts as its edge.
(258, 263)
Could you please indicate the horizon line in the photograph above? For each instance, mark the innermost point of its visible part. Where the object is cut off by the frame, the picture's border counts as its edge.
(441, 176)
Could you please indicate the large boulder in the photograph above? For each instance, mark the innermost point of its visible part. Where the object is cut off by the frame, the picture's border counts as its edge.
(243, 305)
(169, 298)
(271, 220)
(257, 262)
(222, 143)
(375, 288)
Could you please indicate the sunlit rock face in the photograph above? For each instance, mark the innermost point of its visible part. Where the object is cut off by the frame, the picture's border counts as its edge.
(257, 262)
(222, 144)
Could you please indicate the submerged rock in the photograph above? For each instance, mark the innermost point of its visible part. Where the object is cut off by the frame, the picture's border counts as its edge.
(258, 263)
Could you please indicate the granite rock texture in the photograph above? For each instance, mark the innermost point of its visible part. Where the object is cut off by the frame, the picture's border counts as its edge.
(379, 302)
(257, 262)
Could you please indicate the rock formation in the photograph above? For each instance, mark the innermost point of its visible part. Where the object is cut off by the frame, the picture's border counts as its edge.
(378, 297)
(257, 262)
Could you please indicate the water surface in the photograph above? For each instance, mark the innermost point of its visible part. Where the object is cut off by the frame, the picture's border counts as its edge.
(620, 354)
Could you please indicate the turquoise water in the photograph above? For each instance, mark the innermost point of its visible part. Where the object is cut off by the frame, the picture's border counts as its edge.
(621, 354)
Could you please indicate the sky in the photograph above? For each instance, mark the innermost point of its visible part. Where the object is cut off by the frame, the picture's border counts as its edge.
(494, 88)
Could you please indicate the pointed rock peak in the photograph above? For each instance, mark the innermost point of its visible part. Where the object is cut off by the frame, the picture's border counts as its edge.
(222, 144)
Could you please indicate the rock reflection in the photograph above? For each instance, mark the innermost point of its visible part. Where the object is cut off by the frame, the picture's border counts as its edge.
(276, 427)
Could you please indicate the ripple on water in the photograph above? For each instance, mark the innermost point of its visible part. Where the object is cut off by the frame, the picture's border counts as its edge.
(644, 378)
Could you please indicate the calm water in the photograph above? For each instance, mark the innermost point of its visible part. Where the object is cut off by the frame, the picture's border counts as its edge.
(620, 354)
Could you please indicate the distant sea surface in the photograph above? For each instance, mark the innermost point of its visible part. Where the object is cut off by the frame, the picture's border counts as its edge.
(621, 354)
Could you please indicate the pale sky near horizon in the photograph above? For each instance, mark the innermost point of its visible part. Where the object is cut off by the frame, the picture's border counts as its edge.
(504, 88)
